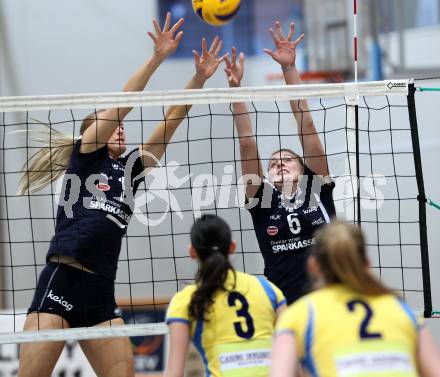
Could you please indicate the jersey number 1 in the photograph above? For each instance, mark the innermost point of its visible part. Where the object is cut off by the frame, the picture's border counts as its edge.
(364, 333)
(247, 333)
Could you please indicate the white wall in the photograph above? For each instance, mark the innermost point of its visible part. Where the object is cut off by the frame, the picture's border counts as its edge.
(421, 48)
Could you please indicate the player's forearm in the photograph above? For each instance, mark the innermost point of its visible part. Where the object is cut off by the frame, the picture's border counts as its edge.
(300, 108)
(248, 143)
(242, 122)
(250, 160)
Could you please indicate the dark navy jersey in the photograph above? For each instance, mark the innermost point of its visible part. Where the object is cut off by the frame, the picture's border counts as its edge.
(95, 208)
(284, 228)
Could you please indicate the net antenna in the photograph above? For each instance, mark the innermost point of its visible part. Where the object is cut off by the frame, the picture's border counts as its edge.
(353, 210)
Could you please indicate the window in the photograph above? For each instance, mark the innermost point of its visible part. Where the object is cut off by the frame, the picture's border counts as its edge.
(237, 33)
(409, 14)
(248, 31)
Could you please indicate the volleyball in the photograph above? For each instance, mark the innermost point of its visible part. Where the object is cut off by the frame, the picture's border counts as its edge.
(216, 12)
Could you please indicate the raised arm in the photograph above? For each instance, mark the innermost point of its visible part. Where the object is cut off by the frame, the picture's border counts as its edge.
(285, 55)
(250, 160)
(206, 63)
(166, 42)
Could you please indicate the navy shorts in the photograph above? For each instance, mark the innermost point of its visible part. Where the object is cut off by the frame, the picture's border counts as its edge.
(82, 298)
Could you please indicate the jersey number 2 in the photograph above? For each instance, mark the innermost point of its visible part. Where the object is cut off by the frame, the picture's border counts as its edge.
(242, 312)
(364, 333)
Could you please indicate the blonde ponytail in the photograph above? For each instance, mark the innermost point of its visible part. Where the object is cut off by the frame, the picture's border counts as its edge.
(49, 163)
(341, 255)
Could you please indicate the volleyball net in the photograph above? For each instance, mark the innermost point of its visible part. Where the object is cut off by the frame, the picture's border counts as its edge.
(369, 132)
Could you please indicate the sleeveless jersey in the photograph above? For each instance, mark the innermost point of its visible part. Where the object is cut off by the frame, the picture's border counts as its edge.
(235, 338)
(284, 229)
(339, 332)
(95, 213)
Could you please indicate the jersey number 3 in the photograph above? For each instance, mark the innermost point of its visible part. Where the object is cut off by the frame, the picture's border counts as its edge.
(235, 298)
(364, 333)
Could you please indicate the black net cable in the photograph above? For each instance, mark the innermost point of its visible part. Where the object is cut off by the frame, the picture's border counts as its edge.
(358, 168)
(422, 201)
(427, 78)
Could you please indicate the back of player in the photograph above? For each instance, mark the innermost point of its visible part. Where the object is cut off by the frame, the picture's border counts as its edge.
(232, 329)
(353, 325)
(339, 332)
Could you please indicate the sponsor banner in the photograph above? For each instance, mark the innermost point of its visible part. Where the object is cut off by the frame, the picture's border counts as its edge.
(245, 359)
(149, 351)
(375, 358)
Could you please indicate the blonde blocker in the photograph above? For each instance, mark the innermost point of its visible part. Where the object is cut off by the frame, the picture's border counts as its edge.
(341, 255)
(50, 162)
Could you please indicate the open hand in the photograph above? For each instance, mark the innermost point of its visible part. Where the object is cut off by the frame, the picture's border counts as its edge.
(285, 48)
(166, 40)
(208, 61)
(234, 70)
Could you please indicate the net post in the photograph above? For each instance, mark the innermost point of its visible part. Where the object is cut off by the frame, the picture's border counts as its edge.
(421, 197)
(353, 213)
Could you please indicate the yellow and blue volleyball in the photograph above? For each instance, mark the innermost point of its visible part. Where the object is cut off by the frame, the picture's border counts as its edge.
(216, 12)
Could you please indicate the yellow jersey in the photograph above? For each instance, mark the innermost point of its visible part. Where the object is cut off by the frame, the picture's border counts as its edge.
(235, 339)
(340, 333)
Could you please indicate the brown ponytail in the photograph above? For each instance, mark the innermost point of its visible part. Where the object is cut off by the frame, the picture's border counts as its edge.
(211, 238)
(341, 255)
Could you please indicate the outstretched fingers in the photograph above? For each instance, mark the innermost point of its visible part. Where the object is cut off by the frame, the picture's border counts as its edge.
(298, 40)
(228, 63)
(279, 31)
(214, 45)
(241, 59)
(177, 25)
(196, 56)
(166, 26)
(179, 37)
(269, 52)
(156, 27)
(291, 32)
(204, 47)
(152, 36)
(218, 49)
(223, 58)
(274, 37)
(234, 56)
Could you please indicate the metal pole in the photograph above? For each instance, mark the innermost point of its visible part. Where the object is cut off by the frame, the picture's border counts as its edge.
(355, 40)
(399, 11)
(376, 53)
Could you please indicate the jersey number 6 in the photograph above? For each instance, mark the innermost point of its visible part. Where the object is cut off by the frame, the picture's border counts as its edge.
(242, 312)
(294, 224)
(364, 333)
